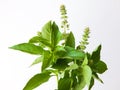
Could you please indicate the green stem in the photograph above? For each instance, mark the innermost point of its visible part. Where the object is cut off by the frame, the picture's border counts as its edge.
(57, 78)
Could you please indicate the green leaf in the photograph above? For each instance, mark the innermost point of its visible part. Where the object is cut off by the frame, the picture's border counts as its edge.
(37, 60)
(46, 31)
(65, 84)
(37, 80)
(48, 58)
(56, 34)
(68, 48)
(35, 39)
(91, 83)
(97, 77)
(80, 85)
(51, 33)
(70, 41)
(28, 48)
(85, 62)
(72, 67)
(87, 74)
(74, 77)
(59, 51)
(60, 64)
(84, 78)
(96, 54)
(99, 67)
(73, 54)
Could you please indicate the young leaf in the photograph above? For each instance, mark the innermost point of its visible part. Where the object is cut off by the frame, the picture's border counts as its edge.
(35, 39)
(28, 48)
(65, 84)
(51, 33)
(56, 34)
(37, 60)
(37, 80)
(70, 41)
(96, 54)
(46, 31)
(87, 74)
(85, 62)
(91, 83)
(99, 67)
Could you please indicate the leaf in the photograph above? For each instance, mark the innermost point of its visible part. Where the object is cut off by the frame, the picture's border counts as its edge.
(97, 77)
(47, 60)
(60, 64)
(87, 74)
(34, 39)
(46, 31)
(73, 54)
(80, 85)
(56, 34)
(41, 41)
(91, 83)
(85, 62)
(96, 54)
(37, 80)
(68, 48)
(59, 51)
(70, 41)
(85, 78)
(74, 77)
(66, 74)
(65, 84)
(51, 33)
(37, 60)
(45, 42)
(72, 67)
(100, 67)
(28, 48)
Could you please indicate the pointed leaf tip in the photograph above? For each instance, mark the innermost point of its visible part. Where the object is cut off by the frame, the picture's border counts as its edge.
(28, 48)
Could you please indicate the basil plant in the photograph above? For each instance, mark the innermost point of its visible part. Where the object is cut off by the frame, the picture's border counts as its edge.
(60, 57)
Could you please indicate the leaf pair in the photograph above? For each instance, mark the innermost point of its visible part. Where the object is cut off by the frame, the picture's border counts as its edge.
(98, 66)
(50, 32)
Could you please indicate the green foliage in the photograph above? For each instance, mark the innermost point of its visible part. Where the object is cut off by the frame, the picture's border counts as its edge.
(37, 60)
(99, 67)
(73, 53)
(96, 54)
(70, 41)
(29, 48)
(73, 67)
(37, 80)
(65, 84)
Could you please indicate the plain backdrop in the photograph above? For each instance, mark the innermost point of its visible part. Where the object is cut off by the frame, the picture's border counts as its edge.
(21, 19)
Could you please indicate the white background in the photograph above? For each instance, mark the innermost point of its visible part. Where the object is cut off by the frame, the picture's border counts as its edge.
(21, 19)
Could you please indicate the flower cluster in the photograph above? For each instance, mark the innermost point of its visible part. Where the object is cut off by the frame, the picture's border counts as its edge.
(84, 40)
(64, 23)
